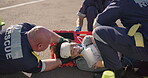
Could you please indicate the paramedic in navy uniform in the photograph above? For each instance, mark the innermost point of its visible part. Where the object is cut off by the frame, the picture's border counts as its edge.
(131, 41)
(17, 44)
(90, 9)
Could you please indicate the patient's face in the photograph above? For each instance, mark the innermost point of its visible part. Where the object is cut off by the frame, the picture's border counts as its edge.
(75, 50)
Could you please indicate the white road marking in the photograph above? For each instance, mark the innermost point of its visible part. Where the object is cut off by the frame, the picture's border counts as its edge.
(18, 5)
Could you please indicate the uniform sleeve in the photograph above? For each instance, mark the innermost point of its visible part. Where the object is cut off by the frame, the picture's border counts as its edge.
(110, 15)
(85, 5)
(39, 68)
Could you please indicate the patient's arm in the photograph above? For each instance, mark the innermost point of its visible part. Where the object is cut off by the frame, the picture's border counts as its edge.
(99, 64)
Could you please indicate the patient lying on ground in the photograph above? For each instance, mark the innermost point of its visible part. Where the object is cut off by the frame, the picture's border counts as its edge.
(90, 58)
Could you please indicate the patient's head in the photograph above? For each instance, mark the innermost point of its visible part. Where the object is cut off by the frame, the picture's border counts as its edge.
(66, 49)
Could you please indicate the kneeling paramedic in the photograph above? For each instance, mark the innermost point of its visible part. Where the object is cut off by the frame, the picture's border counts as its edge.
(131, 40)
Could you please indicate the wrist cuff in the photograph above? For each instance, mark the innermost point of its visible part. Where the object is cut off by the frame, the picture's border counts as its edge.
(61, 40)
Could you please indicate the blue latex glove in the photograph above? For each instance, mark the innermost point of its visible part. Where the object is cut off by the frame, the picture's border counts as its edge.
(78, 28)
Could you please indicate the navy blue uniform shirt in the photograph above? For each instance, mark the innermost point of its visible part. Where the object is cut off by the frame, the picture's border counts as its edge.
(15, 50)
(130, 12)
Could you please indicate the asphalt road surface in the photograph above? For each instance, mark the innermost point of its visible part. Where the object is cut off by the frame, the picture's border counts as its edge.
(54, 15)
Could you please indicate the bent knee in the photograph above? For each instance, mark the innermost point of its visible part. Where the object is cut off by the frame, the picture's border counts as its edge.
(101, 30)
(102, 33)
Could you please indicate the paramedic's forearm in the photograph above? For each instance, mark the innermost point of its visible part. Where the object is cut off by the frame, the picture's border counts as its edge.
(51, 64)
(79, 21)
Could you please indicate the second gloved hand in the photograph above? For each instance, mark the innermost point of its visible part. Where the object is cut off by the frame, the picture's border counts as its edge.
(78, 28)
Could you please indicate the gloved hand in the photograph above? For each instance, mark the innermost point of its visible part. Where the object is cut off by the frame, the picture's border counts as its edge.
(65, 40)
(78, 28)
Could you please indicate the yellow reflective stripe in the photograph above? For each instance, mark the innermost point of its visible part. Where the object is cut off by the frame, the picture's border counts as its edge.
(133, 29)
(139, 39)
(38, 58)
(137, 35)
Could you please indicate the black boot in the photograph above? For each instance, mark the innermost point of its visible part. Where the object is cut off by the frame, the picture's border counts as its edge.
(119, 73)
(131, 74)
(97, 75)
(127, 73)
